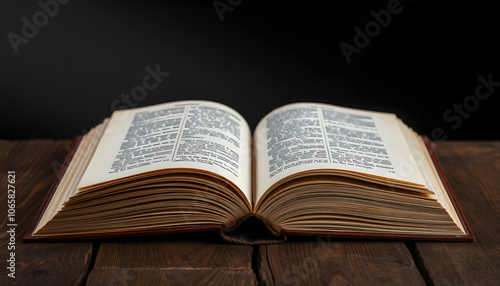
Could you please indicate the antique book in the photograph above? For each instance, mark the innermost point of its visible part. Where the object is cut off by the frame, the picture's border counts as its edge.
(307, 169)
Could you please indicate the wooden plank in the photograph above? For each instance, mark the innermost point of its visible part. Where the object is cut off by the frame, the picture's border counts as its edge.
(35, 163)
(473, 170)
(175, 259)
(135, 276)
(337, 262)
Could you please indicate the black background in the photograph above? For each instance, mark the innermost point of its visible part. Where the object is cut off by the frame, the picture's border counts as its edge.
(261, 56)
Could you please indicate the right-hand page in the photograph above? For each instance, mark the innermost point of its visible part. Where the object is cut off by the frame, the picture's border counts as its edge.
(302, 137)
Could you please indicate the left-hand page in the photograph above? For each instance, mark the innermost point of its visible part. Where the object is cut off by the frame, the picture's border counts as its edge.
(200, 135)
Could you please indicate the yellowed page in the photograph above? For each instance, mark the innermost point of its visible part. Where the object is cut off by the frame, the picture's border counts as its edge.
(430, 173)
(186, 134)
(292, 139)
(67, 186)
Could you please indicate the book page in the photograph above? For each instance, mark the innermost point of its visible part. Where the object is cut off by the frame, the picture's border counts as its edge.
(430, 173)
(186, 134)
(306, 136)
(67, 185)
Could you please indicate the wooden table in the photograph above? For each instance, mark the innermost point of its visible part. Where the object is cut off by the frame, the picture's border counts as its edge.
(473, 169)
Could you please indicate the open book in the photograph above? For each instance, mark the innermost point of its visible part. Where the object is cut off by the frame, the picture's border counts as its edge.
(308, 169)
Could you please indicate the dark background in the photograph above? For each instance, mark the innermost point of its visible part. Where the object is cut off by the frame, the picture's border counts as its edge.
(261, 56)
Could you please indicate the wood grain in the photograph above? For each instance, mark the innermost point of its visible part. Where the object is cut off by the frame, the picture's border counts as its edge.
(130, 277)
(35, 164)
(473, 171)
(175, 259)
(331, 262)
